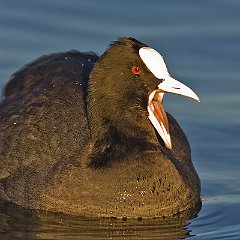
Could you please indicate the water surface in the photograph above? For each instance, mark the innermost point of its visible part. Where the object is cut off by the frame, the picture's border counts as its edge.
(200, 43)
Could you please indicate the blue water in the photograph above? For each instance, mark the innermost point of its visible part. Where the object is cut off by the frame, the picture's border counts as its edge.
(200, 42)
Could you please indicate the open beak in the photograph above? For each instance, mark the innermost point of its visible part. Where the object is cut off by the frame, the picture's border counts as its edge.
(157, 114)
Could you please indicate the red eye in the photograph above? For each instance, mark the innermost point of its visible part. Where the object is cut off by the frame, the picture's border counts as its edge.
(136, 70)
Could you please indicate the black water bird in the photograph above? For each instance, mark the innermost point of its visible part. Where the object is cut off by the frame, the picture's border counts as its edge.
(88, 135)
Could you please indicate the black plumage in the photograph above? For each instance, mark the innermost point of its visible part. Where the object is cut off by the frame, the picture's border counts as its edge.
(75, 138)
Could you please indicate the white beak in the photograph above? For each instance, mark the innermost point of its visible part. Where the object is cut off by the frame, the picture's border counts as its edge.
(173, 86)
(157, 114)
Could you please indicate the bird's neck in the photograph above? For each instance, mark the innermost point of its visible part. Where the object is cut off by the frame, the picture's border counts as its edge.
(114, 146)
(115, 137)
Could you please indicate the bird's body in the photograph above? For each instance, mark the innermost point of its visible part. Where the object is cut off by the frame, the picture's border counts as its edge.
(75, 138)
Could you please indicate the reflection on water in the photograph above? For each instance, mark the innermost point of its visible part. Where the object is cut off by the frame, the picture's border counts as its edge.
(19, 223)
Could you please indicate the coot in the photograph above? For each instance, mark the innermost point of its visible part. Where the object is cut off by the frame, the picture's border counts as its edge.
(88, 135)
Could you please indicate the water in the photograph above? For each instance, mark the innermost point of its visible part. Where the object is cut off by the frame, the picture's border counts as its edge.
(200, 42)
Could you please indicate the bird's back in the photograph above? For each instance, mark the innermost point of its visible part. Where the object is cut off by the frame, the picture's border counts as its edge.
(43, 116)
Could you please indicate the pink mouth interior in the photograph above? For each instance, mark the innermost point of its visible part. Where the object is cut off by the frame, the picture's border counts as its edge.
(156, 107)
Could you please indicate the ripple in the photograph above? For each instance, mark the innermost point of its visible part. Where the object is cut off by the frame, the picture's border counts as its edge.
(201, 43)
(19, 223)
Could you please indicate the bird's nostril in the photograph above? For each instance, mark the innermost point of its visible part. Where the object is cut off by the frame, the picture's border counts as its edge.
(176, 87)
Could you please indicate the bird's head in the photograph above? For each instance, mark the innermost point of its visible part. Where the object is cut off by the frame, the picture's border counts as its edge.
(127, 87)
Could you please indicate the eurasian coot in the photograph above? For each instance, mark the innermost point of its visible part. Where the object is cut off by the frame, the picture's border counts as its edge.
(88, 135)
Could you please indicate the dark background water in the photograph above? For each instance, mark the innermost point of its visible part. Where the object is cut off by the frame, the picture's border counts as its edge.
(200, 42)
